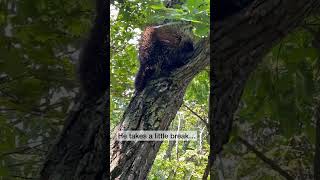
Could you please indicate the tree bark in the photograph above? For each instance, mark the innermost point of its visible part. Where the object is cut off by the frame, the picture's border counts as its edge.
(80, 152)
(153, 109)
(239, 44)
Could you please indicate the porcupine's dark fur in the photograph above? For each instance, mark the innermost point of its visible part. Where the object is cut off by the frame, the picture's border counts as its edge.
(161, 50)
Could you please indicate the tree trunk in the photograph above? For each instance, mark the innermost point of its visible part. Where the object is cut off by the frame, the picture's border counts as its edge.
(153, 109)
(239, 44)
(80, 151)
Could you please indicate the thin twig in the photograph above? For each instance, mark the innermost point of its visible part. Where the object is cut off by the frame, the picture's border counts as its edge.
(196, 114)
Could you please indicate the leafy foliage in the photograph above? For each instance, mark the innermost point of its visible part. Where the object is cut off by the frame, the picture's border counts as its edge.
(39, 43)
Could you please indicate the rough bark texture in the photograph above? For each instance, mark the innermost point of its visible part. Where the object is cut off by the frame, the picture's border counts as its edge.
(239, 44)
(80, 151)
(153, 109)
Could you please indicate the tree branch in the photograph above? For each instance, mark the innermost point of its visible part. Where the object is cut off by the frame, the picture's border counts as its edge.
(196, 114)
(265, 159)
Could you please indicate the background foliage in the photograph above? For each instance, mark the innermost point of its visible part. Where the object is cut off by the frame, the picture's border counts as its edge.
(39, 45)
